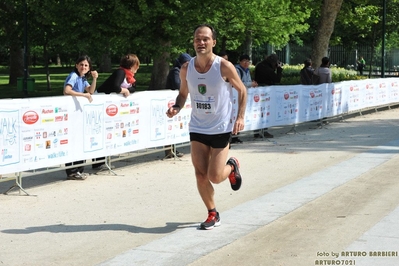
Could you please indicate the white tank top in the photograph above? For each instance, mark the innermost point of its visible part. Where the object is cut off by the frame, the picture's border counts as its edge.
(211, 100)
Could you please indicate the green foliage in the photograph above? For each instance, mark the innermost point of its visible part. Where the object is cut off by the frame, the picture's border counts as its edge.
(291, 75)
(151, 28)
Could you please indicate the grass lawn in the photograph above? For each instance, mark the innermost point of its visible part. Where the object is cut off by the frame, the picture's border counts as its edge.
(57, 78)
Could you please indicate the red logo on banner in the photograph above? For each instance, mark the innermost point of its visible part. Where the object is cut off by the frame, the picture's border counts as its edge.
(30, 117)
(112, 110)
(256, 98)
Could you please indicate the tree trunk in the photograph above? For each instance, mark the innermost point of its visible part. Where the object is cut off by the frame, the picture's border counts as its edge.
(328, 14)
(248, 45)
(105, 64)
(16, 63)
(58, 60)
(159, 72)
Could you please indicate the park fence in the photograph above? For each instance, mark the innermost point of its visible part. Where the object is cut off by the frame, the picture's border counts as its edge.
(339, 55)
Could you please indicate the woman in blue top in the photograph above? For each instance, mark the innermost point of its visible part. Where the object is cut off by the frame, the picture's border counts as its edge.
(76, 84)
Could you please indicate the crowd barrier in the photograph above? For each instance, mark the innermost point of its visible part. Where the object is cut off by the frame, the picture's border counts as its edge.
(45, 133)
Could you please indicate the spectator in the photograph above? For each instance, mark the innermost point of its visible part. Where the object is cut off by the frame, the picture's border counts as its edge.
(173, 79)
(245, 75)
(324, 72)
(307, 73)
(121, 81)
(244, 71)
(361, 63)
(173, 83)
(76, 84)
(268, 72)
(324, 75)
(210, 80)
(224, 55)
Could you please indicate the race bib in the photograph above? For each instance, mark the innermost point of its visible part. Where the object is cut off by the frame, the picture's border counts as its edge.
(204, 104)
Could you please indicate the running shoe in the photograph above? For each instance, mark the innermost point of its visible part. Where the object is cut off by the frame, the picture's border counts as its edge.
(235, 176)
(212, 221)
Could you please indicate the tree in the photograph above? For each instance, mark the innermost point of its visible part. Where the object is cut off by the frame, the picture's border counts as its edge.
(13, 29)
(328, 14)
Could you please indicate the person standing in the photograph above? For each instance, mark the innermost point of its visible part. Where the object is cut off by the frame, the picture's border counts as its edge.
(210, 79)
(324, 75)
(324, 72)
(361, 63)
(244, 73)
(173, 83)
(121, 81)
(268, 72)
(307, 73)
(76, 84)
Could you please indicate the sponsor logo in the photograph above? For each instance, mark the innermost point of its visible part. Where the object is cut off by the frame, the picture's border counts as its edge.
(48, 111)
(30, 117)
(111, 110)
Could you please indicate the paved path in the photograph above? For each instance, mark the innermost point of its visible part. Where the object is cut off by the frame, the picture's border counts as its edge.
(308, 198)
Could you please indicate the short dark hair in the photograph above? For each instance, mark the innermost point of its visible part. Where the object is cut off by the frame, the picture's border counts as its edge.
(206, 26)
(325, 60)
(222, 53)
(307, 62)
(244, 57)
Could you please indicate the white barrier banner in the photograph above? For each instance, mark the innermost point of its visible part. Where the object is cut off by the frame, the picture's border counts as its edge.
(43, 132)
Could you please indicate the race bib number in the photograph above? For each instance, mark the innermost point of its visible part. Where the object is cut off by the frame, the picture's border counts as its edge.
(204, 104)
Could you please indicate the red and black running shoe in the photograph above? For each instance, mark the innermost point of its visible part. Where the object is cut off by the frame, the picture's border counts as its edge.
(235, 176)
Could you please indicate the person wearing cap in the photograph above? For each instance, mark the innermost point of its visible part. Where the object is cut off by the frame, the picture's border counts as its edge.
(173, 83)
(173, 79)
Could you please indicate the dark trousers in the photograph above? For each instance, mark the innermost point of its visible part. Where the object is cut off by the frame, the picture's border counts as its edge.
(74, 170)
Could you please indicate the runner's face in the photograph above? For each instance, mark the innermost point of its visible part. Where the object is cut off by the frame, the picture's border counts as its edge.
(203, 41)
(83, 67)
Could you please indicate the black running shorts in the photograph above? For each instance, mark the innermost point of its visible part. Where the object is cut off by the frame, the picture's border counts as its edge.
(218, 141)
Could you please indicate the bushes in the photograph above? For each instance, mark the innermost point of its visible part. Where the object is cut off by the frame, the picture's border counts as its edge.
(291, 74)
